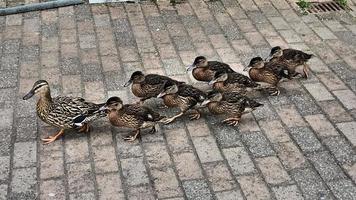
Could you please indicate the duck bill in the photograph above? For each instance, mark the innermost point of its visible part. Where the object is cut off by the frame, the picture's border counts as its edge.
(29, 95)
(161, 95)
(246, 68)
(103, 108)
(205, 102)
(269, 58)
(212, 82)
(128, 83)
(190, 67)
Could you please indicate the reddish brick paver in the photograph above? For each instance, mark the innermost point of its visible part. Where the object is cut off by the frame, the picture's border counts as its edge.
(300, 145)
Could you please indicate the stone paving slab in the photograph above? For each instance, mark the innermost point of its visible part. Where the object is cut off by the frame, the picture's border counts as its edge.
(300, 145)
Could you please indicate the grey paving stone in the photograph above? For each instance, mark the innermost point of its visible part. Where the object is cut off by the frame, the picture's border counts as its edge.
(11, 46)
(197, 189)
(305, 104)
(80, 177)
(257, 17)
(7, 78)
(26, 129)
(173, 67)
(207, 149)
(258, 144)
(306, 139)
(287, 192)
(23, 184)
(226, 136)
(155, 23)
(211, 27)
(341, 149)
(183, 43)
(230, 195)
(10, 61)
(265, 112)
(190, 21)
(140, 192)
(70, 66)
(134, 171)
(348, 129)
(25, 154)
(80, 196)
(3, 191)
(326, 166)
(311, 184)
(239, 160)
(4, 168)
(343, 189)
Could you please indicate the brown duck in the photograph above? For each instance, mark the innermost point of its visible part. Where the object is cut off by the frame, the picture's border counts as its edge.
(203, 70)
(267, 73)
(147, 86)
(293, 59)
(232, 104)
(183, 96)
(232, 82)
(131, 116)
(63, 112)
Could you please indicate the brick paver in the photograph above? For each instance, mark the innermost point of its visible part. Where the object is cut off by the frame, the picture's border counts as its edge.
(299, 145)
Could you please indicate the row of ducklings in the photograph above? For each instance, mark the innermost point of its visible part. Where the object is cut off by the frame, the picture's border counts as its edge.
(228, 95)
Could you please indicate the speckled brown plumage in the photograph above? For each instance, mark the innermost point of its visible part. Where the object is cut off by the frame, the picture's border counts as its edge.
(291, 58)
(204, 70)
(183, 96)
(63, 112)
(231, 104)
(131, 116)
(232, 82)
(148, 86)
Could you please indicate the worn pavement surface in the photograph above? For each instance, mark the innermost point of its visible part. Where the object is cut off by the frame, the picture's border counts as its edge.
(300, 145)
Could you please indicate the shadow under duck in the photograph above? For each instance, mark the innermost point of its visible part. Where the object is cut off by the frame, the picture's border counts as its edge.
(204, 70)
(295, 60)
(147, 86)
(183, 96)
(266, 73)
(63, 112)
(232, 104)
(131, 116)
(232, 82)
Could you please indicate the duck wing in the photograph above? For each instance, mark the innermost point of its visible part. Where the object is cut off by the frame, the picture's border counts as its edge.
(219, 66)
(141, 112)
(185, 90)
(240, 79)
(155, 79)
(296, 55)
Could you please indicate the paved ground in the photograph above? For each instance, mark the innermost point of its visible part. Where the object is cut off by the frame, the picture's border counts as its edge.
(300, 145)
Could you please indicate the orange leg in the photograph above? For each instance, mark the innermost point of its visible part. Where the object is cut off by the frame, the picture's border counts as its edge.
(233, 121)
(85, 128)
(133, 137)
(194, 115)
(51, 139)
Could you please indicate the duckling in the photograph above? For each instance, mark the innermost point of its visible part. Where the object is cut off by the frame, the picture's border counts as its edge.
(262, 72)
(131, 116)
(147, 86)
(63, 112)
(183, 96)
(232, 104)
(232, 82)
(293, 59)
(204, 70)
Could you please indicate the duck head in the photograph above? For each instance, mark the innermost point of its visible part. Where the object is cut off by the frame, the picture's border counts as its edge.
(136, 77)
(40, 87)
(199, 61)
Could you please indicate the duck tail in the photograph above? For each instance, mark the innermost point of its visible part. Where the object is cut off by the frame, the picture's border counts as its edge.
(308, 56)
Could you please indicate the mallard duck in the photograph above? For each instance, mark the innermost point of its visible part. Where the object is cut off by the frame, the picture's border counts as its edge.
(267, 73)
(232, 104)
(183, 96)
(293, 59)
(204, 70)
(232, 82)
(131, 116)
(63, 112)
(147, 86)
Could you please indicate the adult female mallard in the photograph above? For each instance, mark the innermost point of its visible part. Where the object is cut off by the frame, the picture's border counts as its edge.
(267, 73)
(183, 96)
(204, 70)
(294, 59)
(232, 104)
(63, 112)
(131, 116)
(147, 86)
(232, 82)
